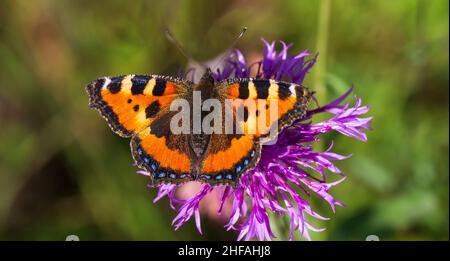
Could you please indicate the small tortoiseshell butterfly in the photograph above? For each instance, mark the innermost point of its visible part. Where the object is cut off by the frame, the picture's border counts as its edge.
(137, 106)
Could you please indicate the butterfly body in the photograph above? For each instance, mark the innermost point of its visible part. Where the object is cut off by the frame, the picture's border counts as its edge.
(139, 106)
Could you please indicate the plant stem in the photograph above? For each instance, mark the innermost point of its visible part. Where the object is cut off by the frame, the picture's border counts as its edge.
(321, 47)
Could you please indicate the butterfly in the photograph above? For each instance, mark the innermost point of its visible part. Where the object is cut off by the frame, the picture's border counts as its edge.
(138, 107)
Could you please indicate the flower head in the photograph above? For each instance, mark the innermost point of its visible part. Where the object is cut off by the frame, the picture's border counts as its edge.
(290, 170)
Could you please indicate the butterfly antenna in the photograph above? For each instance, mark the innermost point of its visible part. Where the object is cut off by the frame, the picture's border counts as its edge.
(180, 48)
(241, 34)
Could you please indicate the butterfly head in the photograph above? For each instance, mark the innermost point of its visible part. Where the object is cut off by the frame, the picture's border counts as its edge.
(207, 77)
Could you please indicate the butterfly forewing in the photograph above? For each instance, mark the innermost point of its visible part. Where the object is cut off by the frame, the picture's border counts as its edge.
(129, 103)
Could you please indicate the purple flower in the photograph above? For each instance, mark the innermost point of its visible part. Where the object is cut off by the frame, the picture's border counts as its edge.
(288, 171)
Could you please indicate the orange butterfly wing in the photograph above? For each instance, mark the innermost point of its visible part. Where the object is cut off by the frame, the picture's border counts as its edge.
(277, 103)
(129, 103)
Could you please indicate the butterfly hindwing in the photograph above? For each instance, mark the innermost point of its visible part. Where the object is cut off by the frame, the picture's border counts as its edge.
(129, 103)
(228, 157)
(165, 158)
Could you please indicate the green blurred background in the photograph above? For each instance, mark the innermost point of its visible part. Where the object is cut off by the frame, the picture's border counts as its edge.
(62, 171)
